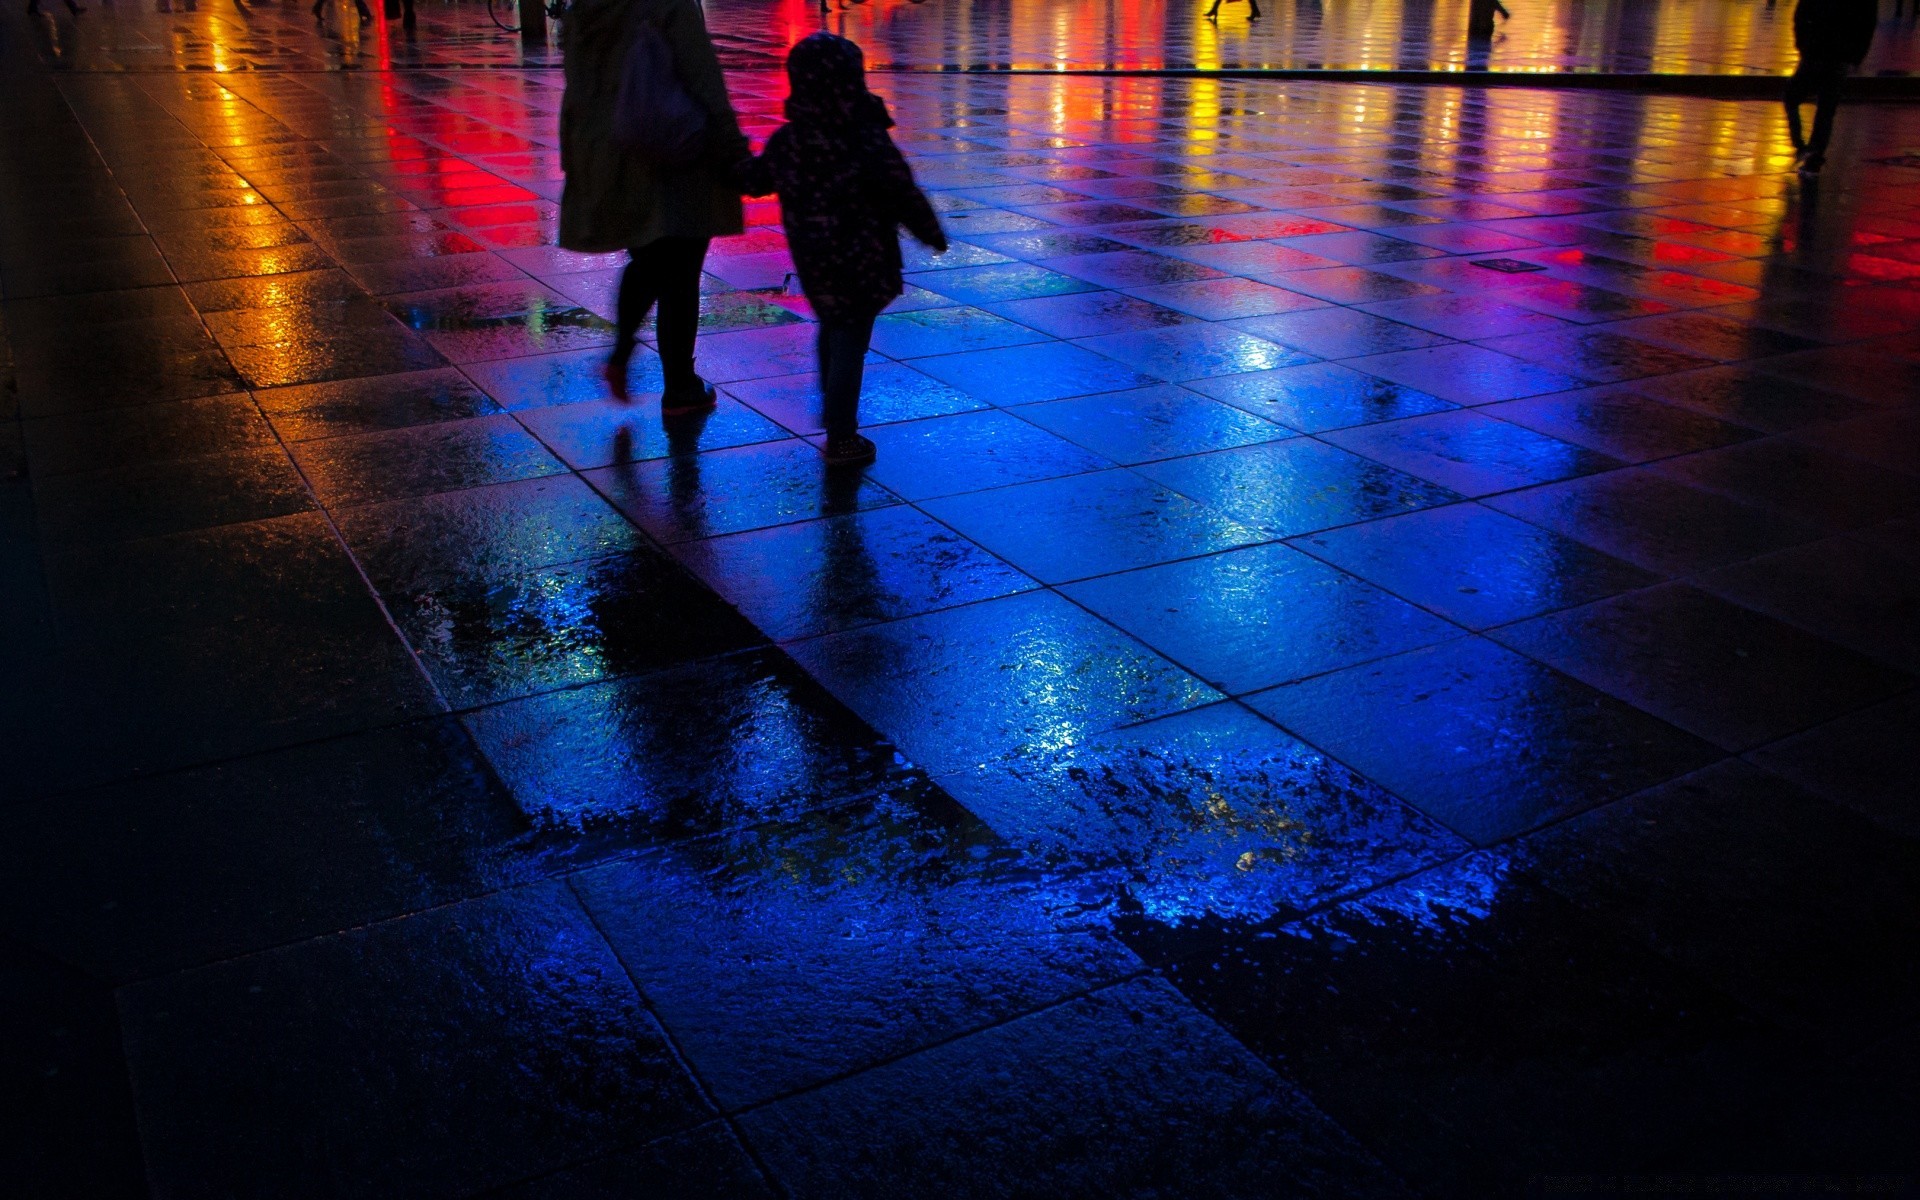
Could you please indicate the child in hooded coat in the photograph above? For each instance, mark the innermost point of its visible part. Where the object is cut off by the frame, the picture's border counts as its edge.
(844, 193)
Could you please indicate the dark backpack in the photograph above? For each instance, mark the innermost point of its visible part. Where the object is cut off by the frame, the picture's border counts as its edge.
(653, 115)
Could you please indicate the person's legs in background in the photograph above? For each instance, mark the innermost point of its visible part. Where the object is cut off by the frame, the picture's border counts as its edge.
(1799, 84)
(1832, 79)
(666, 272)
(678, 325)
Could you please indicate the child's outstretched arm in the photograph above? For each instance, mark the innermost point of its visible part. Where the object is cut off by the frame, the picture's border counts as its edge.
(907, 202)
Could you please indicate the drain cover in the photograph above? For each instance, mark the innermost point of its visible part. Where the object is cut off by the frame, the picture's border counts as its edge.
(1507, 266)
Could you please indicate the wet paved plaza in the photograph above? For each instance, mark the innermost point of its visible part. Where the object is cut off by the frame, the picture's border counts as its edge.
(1377, 657)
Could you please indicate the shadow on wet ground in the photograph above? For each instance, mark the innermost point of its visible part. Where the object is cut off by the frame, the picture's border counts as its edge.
(1375, 658)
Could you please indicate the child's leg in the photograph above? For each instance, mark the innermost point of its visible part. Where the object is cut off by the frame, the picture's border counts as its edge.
(843, 354)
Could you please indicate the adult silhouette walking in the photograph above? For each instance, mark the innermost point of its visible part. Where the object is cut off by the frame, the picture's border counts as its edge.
(1833, 37)
(616, 198)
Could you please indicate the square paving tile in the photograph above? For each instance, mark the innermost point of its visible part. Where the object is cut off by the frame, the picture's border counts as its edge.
(1084, 314)
(1466, 374)
(1467, 1026)
(1769, 893)
(1093, 524)
(1455, 316)
(496, 637)
(1316, 397)
(775, 968)
(695, 495)
(147, 499)
(1226, 299)
(541, 379)
(1711, 667)
(482, 533)
(599, 433)
(150, 876)
(149, 433)
(1802, 480)
(1597, 354)
(1336, 332)
(1848, 591)
(1028, 672)
(1746, 397)
(1000, 283)
(1655, 522)
(1296, 486)
(418, 461)
(1131, 269)
(1207, 821)
(838, 572)
(889, 392)
(1860, 761)
(1151, 423)
(1025, 374)
(1486, 742)
(971, 451)
(1255, 617)
(515, 994)
(372, 404)
(1473, 565)
(942, 331)
(1470, 452)
(1083, 1078)
(1188, 352)
(1621, 423)
(714, 745)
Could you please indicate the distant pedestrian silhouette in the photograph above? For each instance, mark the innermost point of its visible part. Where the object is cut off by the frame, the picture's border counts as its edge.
(1480, 14)
(1213, 14)
(1833, 37)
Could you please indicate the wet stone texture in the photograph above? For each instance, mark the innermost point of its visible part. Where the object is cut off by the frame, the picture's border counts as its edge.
(1377, 657)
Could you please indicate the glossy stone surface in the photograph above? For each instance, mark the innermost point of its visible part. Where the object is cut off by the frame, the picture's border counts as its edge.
(1486, 742)
(1058, 530)
(835, 573)
(1472, 565)
(1460, 1023)
(1081, 799)
(1251, 618)
(1127, 1086)
(547, 1023)
(1753, 859)
(937, 932)
(1195, 823)
(1056, 674)
(1725, 672)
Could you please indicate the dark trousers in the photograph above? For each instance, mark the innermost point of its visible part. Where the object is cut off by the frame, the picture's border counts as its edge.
(1822, 79)
(664, 272)
(843, 358)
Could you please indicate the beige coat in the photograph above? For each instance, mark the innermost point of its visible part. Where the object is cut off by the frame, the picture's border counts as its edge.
(614, 200)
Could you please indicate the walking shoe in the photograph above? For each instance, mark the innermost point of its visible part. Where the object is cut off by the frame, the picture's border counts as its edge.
(684, 401)
(850, 451)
